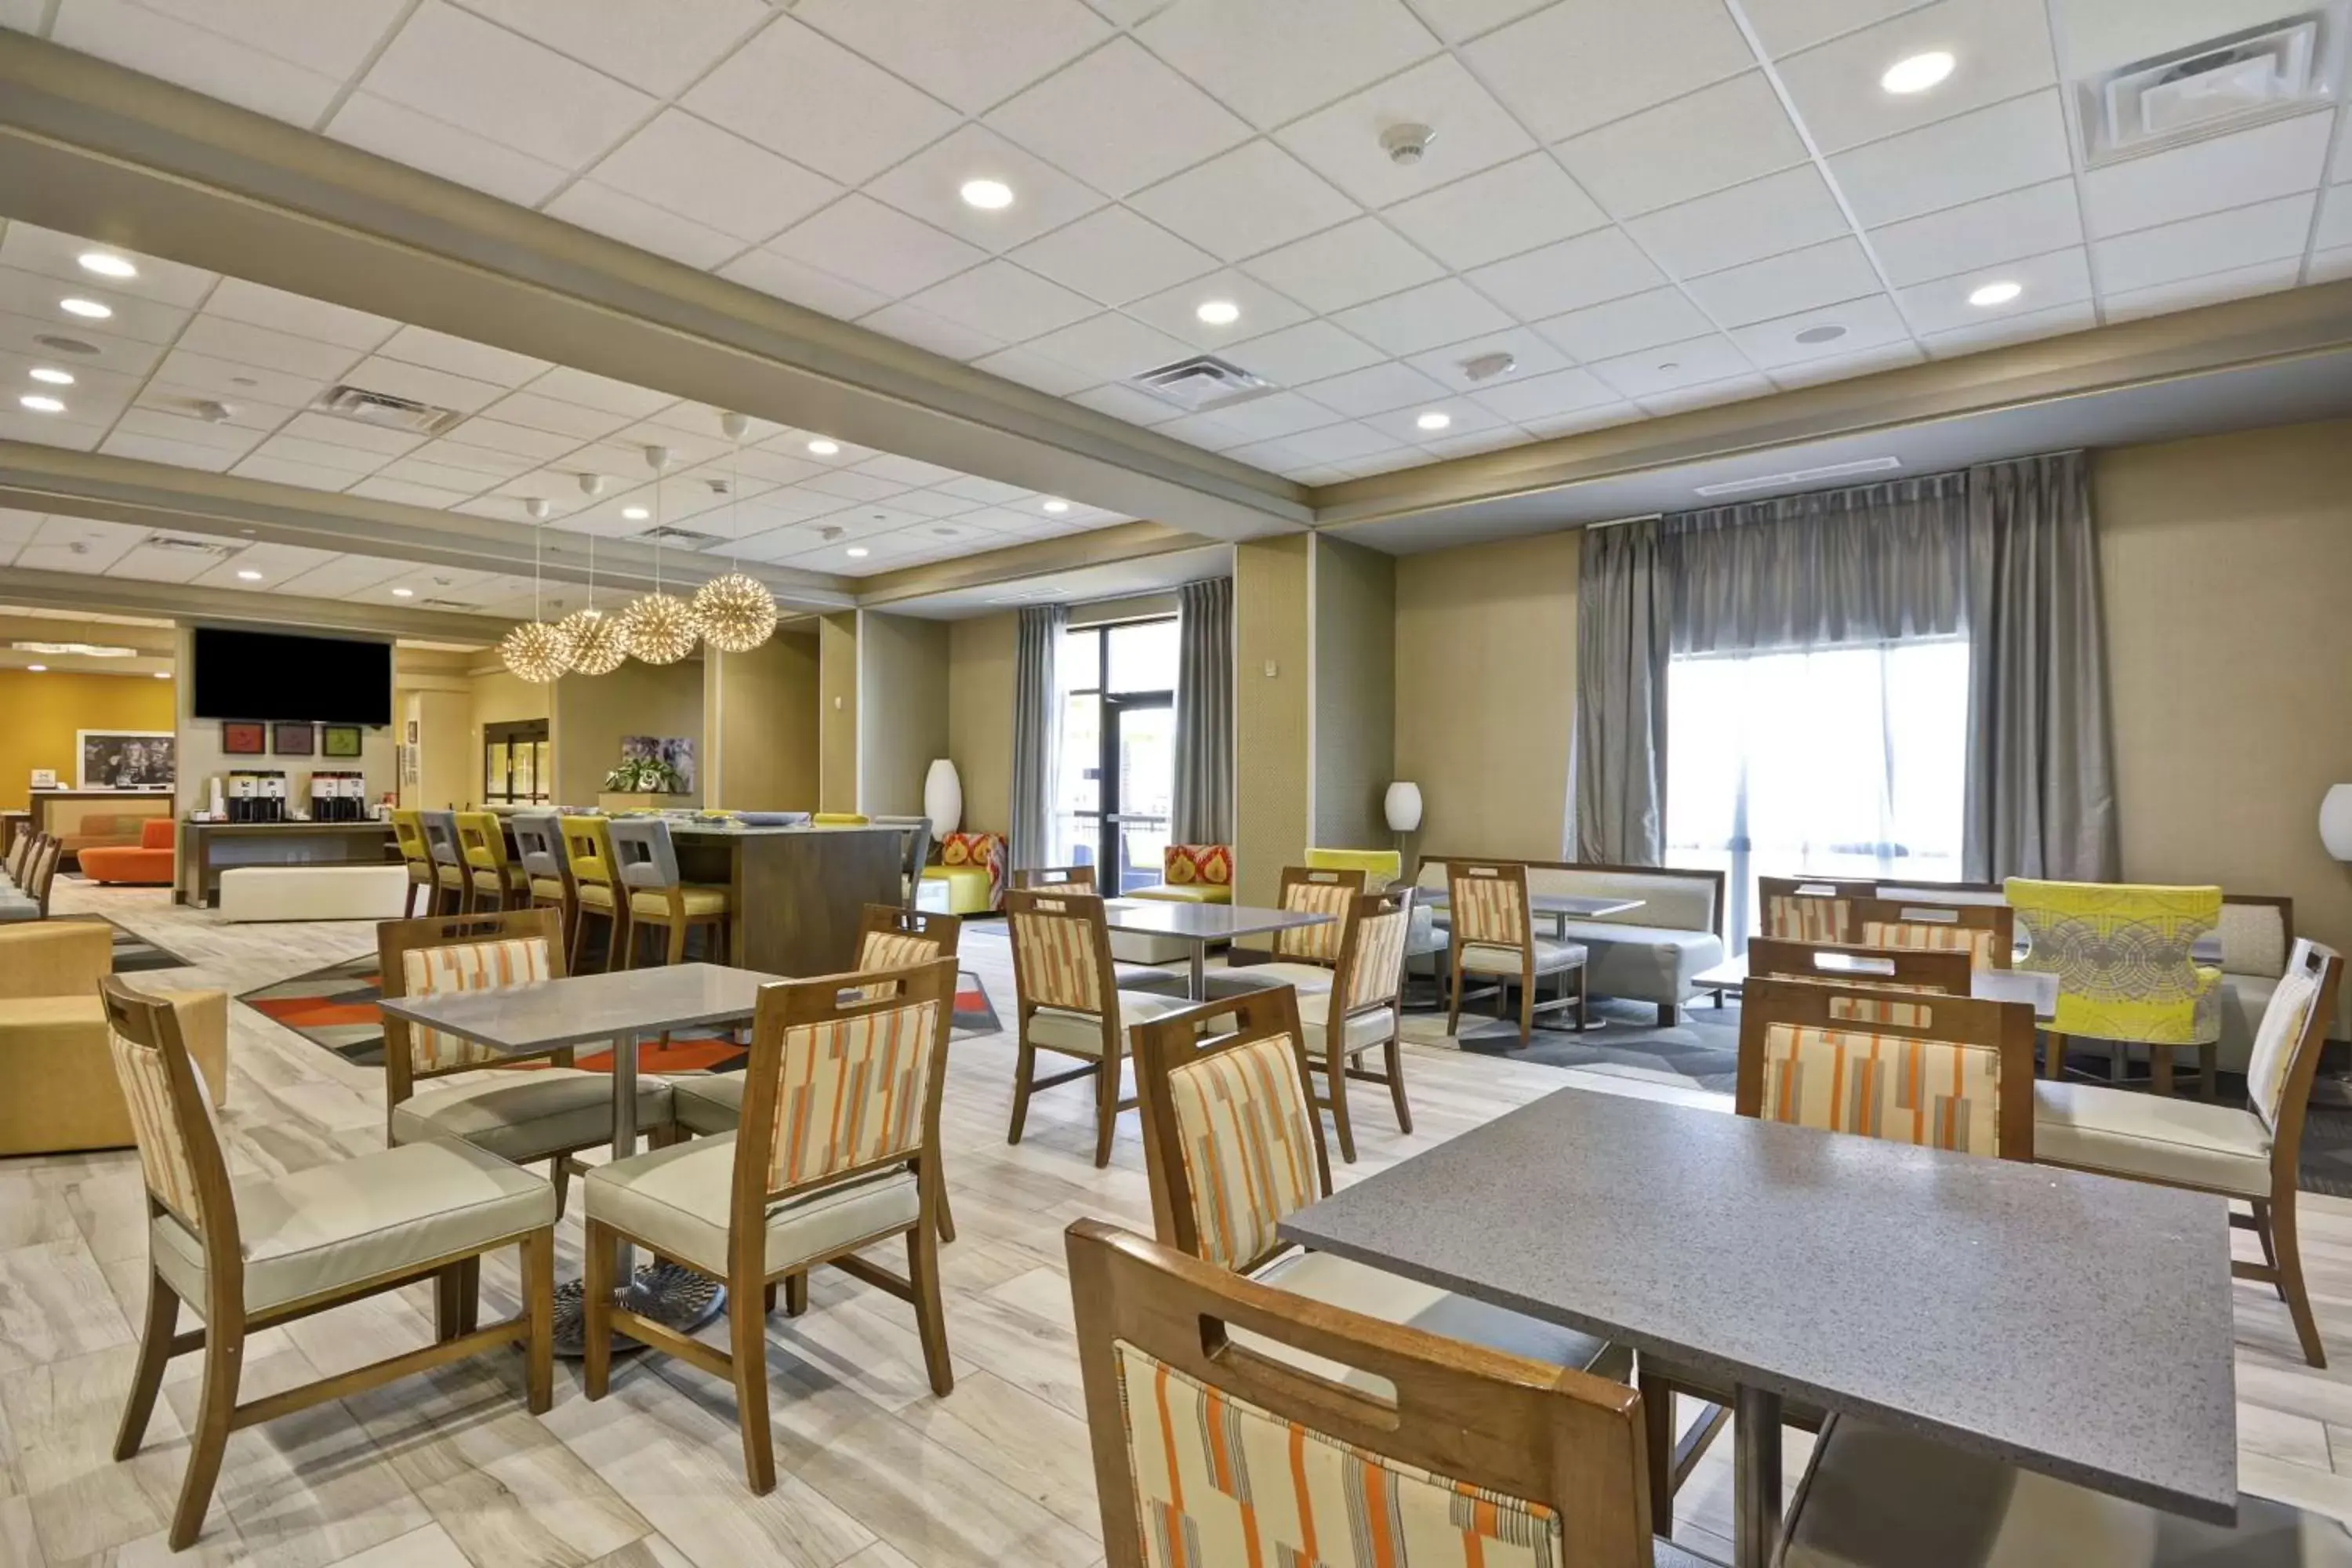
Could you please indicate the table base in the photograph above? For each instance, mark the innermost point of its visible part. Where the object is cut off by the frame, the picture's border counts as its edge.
(677, 1298)
(1755, 1476)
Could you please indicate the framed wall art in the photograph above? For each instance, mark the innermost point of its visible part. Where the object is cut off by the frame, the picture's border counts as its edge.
(245, 738)
(124, 759)
(293, 740)
(339, 739)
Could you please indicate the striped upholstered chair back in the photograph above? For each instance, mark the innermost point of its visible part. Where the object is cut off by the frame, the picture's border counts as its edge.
(890, 937)
(172, 1118)
(1986, 933)
(1222, 1433)
(1370, 971)
(1078, 878)
(2293, 1026)
(1231, 1140)
(1320, 891)
(1808, 909)
(1061, 949)
(1488, 904)
(460, 953)
(1945, 1072)
(1852, 966)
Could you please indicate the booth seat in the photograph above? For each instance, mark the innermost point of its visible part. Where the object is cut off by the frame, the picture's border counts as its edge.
(81, 825)
(1194, 874)
(150, 864)
(972, 867)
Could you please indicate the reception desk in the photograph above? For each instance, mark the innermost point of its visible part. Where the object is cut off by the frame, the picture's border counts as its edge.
(208, 848)
(798, 892)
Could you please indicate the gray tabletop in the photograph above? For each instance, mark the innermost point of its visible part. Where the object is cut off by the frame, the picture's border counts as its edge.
(2030, 986)
(1201, 922)
(1566, 906)
(1978, 1301)
(571, 1012)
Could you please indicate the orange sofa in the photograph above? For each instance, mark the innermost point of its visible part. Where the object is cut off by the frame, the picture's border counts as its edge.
(149, 865)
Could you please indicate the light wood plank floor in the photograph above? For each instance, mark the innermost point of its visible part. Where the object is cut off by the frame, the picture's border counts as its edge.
(875, 1473)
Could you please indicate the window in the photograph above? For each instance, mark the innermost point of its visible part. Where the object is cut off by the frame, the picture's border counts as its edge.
(514, 763)
(1827, 762)
(1116, 781)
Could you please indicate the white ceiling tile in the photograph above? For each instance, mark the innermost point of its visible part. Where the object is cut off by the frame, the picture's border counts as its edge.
(795, 92)
(2002, 47)
(1244, 202)
(1584, 63)
(21, 334)
(971, 53)
(538, 413)
(1784, 285)
(102, 544)
(1465, 419)
(334, 40)
(30, 248)
(1339, 443)
(600, 392)
(1787, 26)
(2275, 160)
(2218, 242)
(2029, 222)
(407, 493)
(350, 460)
(1747, 223)
(1568, 276)
(1273, 63)
(479, 77)
(793, 280)
(421, 384)
(658, 48)
(1528, 203)
(163, 450)
(1004, 301)
(366, 439)
(2078, 317)
(439, 351)
(280, 565)
(1722, 135)
(146, 563)
(716, 178)
(2061, 278)
(1626, 325)
(1963, 158)
(341, 574)
(617, 216)
(1670, 367)
(907, 471)
(1308, 351)
(492, 466)
(1035, 370)
(1120, 119)
(1276, 413)
(394, 130)
(145, 320)
(1867, 323)
(929, 186)
(1342, 143)
(1345, 266)
(299, 315)
(1460, 19)
(2211, 288)
(1446, 311)
(1598, 417)
(1522, 399)
(48, 429)
(994, 492)
(933, 503)
(777, 468)
(1708, 395)
(1813, 373)
(1111, 347)
(1535, 356)
(1377, 389)
(1126, 403)
(90, 381)
(1176, 311)
(852, 486)
(2334, 226)
(284, 472)
(202, 375)
(265, 349)
(1115, 256)
(879, 247)
(441, 476)
(212, 64)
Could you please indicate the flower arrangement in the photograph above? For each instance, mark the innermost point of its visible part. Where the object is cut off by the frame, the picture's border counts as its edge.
(643, 776)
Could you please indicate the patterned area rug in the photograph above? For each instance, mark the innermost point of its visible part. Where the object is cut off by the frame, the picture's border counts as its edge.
(133, 953)
(1702, 1051)
(335, 1009)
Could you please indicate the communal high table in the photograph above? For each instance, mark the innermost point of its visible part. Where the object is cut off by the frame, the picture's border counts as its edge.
(1198, 925)
(623, 1007)
(798, 893)
(1971, 1301)
(2034, 987)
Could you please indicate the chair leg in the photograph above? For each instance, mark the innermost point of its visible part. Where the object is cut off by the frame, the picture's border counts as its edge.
(2208, 1063)
(539, 1306)
(1527, 1006)
(1024, 1069)
(2053, 1062)
(448, 1289)
(1658, 1439)
(2290, 1268)
(2160, 1070)
(931, 1316)
(1395, 1052)
(946, 1220)
(747, 1351)
(469, 1295)
(1454, 1013)
(579, 939)
(155, 1352)
(559, 1176)
(2269, 1248)
(795, 1294)
(1334, 1071)
(224, 1357)
(1670, 1015)
(1107, 1079)
(677, 943)
(596, 1306)
(768, 1298)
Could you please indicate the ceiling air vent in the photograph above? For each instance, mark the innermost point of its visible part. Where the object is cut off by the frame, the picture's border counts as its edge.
(2224, 84)
(384, 411)
(1200, 383)
(177, 546)
(679, 538)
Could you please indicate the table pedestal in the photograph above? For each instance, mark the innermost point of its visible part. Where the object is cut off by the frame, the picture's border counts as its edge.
(1755, 1477)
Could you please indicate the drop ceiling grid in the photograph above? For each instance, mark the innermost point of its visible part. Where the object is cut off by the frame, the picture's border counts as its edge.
(943, 84)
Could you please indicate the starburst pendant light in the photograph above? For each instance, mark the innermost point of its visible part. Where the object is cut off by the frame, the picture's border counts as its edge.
(535, 651)
(659, 627)
(591, 637)
(735, 611)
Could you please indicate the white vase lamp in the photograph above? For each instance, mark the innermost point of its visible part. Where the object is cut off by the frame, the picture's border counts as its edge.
(1403, 807)
(943, 798)
(2335, 821)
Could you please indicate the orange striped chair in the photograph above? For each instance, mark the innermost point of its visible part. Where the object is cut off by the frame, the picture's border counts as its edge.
(1986, 933)
(1493, 936)
(1358, 1012)
(1303, 955)
(1809, 909)
(1068, 1001)
(792, 1189)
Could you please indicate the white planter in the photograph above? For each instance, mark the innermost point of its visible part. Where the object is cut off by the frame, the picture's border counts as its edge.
(943, 798)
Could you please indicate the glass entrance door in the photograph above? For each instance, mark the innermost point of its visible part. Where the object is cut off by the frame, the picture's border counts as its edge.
(1116, 783)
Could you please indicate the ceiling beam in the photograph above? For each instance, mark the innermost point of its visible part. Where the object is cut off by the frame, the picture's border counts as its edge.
(91, 149)
(186, 601)
(1017, 562)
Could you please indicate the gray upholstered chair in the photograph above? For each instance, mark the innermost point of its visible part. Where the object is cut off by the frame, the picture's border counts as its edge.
(915, 842)
(644, 859)
(547, 875)
(449, 879)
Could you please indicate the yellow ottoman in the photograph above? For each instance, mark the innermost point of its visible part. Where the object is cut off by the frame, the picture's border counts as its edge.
(57, 1088)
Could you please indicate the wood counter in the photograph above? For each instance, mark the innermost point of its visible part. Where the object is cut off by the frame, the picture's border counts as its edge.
(798, 892)
(208, 848)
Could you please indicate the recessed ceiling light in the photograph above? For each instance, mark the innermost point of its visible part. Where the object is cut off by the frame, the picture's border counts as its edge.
(248, 575)
(1219, 312)
(40, 402)
(37, 669)
(106, 264)
(77, 306)
(2000, 294)
(54, 376)
(1917, 73)
(1434, 420)
(636, 513)
(1057, 507)
(857, 553)
(987, 195)
(403, 593)
(823, 447)
(163, 674)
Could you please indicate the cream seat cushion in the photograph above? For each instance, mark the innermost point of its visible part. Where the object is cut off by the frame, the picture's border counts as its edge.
(547, 887)
(526, 1115)
(1308, 978)
(1874, 1496)
(596, 895)
(333, 1226)
(676, 1200)
(2186, 1141)
(1550, 957)
(1392, 1299)
(1080, 1034)
(698, 900)
(704, 1103)
(1362, 1031)
(1184, 893)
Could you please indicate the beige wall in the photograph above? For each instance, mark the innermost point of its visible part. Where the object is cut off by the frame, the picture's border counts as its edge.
(2228, 565)
(981, 656)
(836, 688)
(201, 759)
(1355, 693)
(760, 719)
(1270, 714)
(592, 712)
(1486, 693)
(902, 709)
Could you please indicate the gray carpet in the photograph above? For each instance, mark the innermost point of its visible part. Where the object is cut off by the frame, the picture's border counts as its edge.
(1702, 1051)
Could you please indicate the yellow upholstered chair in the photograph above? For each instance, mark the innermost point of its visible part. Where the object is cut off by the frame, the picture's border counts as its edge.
(595, 890)
(1380, 867)
(972, 870)
(839, 819)
(2121, 953)
(495, 879)
(408, 832)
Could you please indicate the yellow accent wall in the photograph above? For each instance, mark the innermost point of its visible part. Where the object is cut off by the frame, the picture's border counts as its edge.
(42, 713)
(982, 654)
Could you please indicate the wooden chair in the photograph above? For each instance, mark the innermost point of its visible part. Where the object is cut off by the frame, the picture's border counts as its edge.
(1068, 1001)
(1081, 880)
(547, 872)
(1809, 909)
(1986, 933)
(2124, 955)
(645, 860)
(1303, 955)
(788, 1191)
(1494, 934)
(595, 890)
(1078, 878)
(41, 875)
(1850, 964)
(408, 832)
(1360, 1013)
(495, 879)
(249, 1254)
(1466, 1454)
(550, 1113)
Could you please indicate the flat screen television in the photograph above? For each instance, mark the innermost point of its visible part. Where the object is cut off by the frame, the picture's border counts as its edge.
(271, 674)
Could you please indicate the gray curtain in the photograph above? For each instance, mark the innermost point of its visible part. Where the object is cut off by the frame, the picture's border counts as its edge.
(1204, 714)
(2042, 782)
(1623, 645)
(1036, 733)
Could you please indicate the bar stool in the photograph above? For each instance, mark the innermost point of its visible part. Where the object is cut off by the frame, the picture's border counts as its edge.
(644, 860)
(448, 861)
(491, 873)
(409, 832)
(588, 853)
(547, 875)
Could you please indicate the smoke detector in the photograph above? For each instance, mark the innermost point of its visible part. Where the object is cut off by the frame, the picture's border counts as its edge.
(1407, 145)
(1486, 367)
(211, 411)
